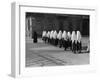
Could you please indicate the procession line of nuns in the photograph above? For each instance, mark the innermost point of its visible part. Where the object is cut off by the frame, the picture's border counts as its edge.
(63, 39)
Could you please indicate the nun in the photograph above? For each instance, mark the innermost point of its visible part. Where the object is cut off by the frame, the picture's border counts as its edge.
(69, 39)
(48, 36)
(74, 41)
(78, 42)
(51, 37)
(65, 40)
(34, 36)
(44, 36)
(59, 37)
(55, 41)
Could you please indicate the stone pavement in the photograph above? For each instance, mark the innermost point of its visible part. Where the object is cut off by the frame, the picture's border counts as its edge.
(41, 54)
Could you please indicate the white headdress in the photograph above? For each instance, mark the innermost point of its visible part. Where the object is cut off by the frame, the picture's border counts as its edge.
(59, 36)
(78, 36)
(55, 34)
(69, 35)
(48, 34)
(51, 34)
(73, 37)
(64, 35)
(44, 34)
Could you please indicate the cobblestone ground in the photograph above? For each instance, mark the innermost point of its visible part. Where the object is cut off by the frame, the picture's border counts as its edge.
(41, 54)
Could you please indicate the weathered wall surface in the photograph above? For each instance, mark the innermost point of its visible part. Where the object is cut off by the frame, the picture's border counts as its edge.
(57, 22)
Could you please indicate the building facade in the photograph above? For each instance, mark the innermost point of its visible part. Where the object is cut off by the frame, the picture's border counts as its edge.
(45, 21)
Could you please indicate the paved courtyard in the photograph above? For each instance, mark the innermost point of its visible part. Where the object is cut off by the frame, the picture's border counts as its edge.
(41, 54)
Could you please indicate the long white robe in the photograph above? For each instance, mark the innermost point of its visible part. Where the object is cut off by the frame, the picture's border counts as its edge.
(64, 35)
(73, 37)
(59, 36)
(78, 36)
(55, 35)
(69, 35)
(48, 34)
(51, 34)
(44, 34)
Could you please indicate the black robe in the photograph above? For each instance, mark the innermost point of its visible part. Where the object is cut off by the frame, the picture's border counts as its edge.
(34, 36)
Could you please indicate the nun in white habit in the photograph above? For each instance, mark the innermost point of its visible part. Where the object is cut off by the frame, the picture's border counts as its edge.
(73, 36)
(55, 35)
(48, 36)
(43, 35)
(69, 39)
(59, 37)
(51, 36)
(65, 40)
(69, 35)
(74, 41)
(64, 35)
(78, 41)
(55, 42)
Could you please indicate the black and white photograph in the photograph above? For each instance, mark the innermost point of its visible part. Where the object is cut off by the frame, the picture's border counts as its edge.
(54, 39)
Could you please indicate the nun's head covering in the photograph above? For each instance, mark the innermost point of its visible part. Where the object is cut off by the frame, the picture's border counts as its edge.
(73, 37)
(48, 34)
(59, 36)
(78, 36)
(55, 34)
(44, 34)
(69, 35)
(64, 35)
(51, 34)
(60, 31)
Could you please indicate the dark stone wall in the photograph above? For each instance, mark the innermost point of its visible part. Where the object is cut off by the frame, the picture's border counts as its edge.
(58, 22)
